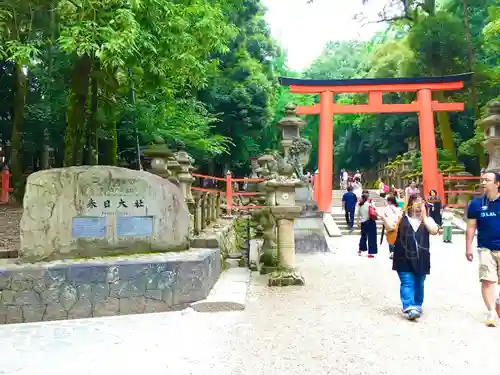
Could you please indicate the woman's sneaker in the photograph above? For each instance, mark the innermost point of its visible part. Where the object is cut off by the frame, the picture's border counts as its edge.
(491, 319)
(411, 313)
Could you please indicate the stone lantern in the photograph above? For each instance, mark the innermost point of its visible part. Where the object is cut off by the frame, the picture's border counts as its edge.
(412, 143)
(269, 257)
(254, 166)
(491, 127)
(285, 212)
(184, 175)
(160, 156)
(406, 168)
(290, 126)
(173, 168)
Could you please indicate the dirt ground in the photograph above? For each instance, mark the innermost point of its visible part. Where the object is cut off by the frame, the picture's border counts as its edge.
(10, 217)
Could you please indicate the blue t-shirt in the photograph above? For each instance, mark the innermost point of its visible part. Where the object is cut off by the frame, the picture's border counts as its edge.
(350, 200)
(487, 215)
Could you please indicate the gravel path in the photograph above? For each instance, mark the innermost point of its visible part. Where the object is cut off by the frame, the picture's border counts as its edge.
(344, 321)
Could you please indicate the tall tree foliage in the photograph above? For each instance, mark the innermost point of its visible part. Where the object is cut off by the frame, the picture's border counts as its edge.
(422, 38)
(101, 78)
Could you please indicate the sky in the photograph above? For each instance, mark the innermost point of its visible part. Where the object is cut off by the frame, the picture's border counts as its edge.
(303, 29)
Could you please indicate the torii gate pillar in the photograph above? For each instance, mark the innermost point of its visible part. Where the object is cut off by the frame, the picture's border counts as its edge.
(325, 151)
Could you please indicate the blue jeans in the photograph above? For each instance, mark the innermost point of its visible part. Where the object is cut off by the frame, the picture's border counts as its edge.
(411, 290)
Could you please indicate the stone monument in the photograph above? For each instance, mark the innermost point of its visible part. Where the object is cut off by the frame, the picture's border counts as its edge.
(91, 211)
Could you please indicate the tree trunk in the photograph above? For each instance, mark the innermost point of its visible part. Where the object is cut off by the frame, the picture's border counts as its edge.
(445, 128)
(473, 88)
(93, 140)
(74, 139)
(17, 179)
(110, 144)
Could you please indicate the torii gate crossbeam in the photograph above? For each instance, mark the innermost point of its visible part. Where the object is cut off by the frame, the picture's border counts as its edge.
(376, 87)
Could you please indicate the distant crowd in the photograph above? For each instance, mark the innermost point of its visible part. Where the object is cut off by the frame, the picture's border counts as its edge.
(409, 218)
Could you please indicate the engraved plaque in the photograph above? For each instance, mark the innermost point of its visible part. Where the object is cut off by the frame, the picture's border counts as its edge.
(88, 227)
(134, 226)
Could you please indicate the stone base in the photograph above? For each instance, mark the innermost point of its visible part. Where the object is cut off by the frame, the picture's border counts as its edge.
(286, 278)
(265, 270)
(89, 288)
(310, 236)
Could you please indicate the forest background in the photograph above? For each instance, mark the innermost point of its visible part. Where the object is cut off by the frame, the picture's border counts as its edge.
(96, 80)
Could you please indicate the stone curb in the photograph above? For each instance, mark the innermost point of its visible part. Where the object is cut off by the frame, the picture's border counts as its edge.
(331, 226)
(228, 294)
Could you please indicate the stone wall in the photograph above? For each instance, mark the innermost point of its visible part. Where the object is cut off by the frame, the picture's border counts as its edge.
(221, 235)
(108, 286)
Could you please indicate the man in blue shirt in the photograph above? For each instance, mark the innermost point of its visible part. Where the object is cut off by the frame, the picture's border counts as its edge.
(349, 200)
(483, 214)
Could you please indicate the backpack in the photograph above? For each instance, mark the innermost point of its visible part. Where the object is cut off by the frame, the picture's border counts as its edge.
(386, 188)
(372, 213)
(392, 235)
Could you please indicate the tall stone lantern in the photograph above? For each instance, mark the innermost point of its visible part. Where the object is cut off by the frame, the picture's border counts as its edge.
(185, 176)
(290, 126)
(160, 156)
(269, 257)
(174, 169)
(285, 212)
(491, 127)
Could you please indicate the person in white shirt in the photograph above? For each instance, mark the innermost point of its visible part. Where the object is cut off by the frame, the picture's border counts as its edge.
(344, 178)
(357, 176)
(392, 210)
(447, 218)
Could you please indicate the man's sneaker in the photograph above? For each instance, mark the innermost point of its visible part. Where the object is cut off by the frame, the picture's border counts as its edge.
(360, 252)
(491, 319)
(371, 256)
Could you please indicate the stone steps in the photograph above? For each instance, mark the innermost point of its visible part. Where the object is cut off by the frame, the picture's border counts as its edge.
(339, 217)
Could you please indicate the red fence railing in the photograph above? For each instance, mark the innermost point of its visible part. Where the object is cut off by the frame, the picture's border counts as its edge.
(228, 192)
(6, 187)
(445, 193)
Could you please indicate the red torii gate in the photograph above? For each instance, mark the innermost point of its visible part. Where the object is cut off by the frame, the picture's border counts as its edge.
(375, 87)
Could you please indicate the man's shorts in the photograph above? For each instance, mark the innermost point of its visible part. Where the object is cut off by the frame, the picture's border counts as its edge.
(489, 265)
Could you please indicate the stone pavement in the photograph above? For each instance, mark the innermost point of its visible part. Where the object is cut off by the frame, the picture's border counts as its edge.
(344, 321)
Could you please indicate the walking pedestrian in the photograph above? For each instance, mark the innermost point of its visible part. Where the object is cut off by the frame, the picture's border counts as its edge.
(412, 189)
(393, 210)
(435, 206)
(483, 214)
(411, 258)
(349, 200)
(367, 216)
(447, 218)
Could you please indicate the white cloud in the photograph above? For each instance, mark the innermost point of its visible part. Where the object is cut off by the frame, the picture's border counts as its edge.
(303, 29)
